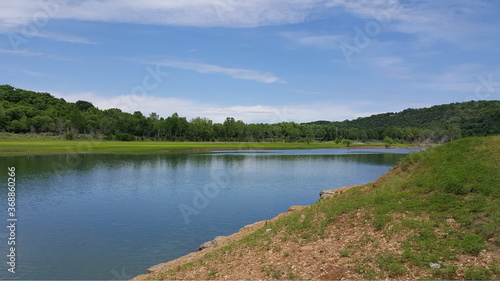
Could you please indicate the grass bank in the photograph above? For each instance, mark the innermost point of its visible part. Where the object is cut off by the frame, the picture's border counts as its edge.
(434, 216)
(12, 145)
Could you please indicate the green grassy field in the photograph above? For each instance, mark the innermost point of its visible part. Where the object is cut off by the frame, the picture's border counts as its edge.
(11, 145)
(439, 206)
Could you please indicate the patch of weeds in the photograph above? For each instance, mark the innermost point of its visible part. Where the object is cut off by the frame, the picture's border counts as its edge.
(427, 247)
(367, 239)
(495, 270)
(286, 254)
(212, 274)
(186, 266)
(306, 235)
(274, 247)
(291, 276)
(446, 272)
(169, 274)
(272, 271)
(367, 272)
(345, 253)
(391, 264)
(477, 273)
(473, 244)
(487, 230)
(381, 220)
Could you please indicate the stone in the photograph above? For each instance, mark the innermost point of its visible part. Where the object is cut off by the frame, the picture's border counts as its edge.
(295, 208)
(211, 244)
(326, 193)
(434, 265)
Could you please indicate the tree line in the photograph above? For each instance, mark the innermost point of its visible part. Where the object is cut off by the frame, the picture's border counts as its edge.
(23, 111)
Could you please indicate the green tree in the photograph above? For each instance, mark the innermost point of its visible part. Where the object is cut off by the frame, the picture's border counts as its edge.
(83, 105)
(201, 128)
(19, 126)
(388, 142)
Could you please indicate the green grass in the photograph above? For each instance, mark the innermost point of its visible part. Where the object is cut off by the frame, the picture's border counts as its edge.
(444, 200)
(12, 145)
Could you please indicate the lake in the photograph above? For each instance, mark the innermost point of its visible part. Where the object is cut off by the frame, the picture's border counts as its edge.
(110, 217)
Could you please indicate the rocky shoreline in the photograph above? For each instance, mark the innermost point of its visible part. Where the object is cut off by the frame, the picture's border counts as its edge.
(221, 241)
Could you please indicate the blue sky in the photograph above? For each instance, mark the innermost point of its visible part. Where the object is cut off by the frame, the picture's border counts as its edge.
(254, 60)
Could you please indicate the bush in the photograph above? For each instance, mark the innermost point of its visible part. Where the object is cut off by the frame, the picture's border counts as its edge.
(347, 143)
(124, 137)
(388, 142)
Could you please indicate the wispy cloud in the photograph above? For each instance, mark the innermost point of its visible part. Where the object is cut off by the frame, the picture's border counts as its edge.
(227, 13)
(238, 73)
(419, 18)
(321, 41)
(464, 79)
(24, 52)
(393, 66)
(66, 38)
(20, 52)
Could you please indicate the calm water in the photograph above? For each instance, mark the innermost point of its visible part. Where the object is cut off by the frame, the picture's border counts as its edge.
(114, 216)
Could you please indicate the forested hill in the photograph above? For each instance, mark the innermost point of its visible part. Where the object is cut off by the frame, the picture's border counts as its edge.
(467, 114)
(473, 118)
(23, 111)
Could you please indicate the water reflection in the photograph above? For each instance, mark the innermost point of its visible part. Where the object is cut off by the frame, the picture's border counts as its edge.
(91, 216)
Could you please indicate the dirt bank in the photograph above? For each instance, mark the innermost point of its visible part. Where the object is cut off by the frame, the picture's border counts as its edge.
(221, 241)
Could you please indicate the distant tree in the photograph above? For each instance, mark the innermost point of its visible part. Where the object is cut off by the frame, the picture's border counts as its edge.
(201, 128)
(19, 126)
(83, 105)
(154, 116)
(388, 141)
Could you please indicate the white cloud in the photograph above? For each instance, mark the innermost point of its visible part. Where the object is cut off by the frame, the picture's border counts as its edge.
(430, 21)
(238, 73)
(323, 41)
(227, 13)
(66, 38)
(19, 52)
(248, 113)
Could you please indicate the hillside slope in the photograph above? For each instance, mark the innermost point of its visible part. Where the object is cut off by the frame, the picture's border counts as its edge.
(473, 118)
(435, 215)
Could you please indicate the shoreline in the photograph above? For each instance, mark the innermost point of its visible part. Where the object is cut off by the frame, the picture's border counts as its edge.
(11, 148)
(221, 241)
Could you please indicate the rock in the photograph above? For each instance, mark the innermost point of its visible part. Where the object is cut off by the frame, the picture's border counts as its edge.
(212, 244)
(434, 265)
(306, 248)
(295, 208)
(326, 193)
